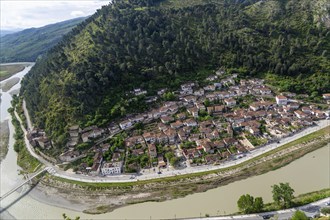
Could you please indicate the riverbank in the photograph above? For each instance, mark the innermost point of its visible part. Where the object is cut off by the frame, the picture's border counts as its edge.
(108, 197)
(9, 70)
(4, 139)
(301, 200)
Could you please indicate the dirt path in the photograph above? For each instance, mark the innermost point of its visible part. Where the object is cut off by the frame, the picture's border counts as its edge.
(27, 115)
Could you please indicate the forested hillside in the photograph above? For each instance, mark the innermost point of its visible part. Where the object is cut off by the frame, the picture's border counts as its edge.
(153, 44)
(28, 44)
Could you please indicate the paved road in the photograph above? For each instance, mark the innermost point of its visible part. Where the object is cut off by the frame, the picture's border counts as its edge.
(28, 120)
(311, 210)
(167, 173)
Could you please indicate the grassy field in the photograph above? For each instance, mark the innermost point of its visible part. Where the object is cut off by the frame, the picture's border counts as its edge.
(7, 71)
(26, 161)
(285, 160)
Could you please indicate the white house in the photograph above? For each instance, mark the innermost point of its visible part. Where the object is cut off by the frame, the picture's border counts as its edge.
(281, 100)
(209, 88)
(139, 92)
(265, 91)
(220, 72)
(306, 110)
(136, 119)
(125, 124)
(212, 78)
(217, 85)
(199, 92)
(187, 86)
(161, 92)
(190, 123)
(300, 114)
(326, 96)
(111, 168)
(230, 102)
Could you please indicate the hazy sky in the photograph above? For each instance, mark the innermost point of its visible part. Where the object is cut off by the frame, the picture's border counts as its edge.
(24, 14)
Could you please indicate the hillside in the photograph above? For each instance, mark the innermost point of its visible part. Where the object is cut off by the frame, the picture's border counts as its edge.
(28, 44)
(153, 44)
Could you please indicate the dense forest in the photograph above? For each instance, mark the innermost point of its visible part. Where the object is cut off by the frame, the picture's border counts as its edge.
(153, 44)
(28, 44)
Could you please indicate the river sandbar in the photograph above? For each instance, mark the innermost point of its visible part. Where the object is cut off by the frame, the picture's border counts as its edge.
(6, 86)
(7, 71)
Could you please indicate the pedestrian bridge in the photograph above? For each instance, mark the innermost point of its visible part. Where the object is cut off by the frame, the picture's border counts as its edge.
(48, 169)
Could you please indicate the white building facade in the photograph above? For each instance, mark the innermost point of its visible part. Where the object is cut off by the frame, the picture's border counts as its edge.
(113, 168)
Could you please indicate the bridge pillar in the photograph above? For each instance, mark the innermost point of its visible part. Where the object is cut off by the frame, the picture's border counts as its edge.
(28, 178)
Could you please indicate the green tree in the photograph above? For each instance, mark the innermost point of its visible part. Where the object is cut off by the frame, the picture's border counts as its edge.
(258, 204)
(299, 215)
(207, 103)
(248, 204)
(144, 160)
(325, 210)
(174, 161)
(169, 156)
(245, 203)
(65, 217)
(283, 194)
(169, 96)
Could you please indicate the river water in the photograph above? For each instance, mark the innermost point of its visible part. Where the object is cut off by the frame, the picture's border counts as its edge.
(309, 173)
(6, 97)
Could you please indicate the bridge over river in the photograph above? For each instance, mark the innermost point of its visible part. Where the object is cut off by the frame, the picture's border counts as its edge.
(48, 169)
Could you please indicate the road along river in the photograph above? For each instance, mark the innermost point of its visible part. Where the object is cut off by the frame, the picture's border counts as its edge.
(306, 174)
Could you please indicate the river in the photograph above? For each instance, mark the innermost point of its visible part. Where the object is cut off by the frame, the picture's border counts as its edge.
(6, 97)
(309, 173)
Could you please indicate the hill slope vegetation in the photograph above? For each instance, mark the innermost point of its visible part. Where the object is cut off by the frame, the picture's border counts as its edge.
(28, 44)
(153, 44)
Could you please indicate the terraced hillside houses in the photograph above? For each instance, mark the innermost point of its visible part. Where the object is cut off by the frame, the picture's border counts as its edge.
(211, 122)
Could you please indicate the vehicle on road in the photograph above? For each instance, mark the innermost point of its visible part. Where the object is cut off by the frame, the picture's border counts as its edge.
(267, 216)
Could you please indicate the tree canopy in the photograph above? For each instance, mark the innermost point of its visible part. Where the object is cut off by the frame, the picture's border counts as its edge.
(299, 215)
(248, 204)
(283, 195)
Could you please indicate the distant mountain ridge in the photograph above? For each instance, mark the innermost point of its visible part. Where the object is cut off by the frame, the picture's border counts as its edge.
(6, 32)
(28, 44)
